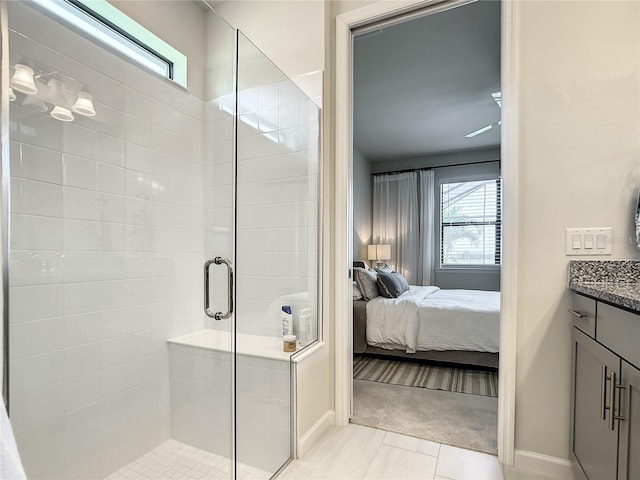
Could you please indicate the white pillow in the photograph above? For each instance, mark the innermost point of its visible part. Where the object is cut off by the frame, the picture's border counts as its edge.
(366, 281)
(357, 294)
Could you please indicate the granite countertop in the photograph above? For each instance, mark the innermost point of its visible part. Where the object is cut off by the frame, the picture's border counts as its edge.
(610, 281)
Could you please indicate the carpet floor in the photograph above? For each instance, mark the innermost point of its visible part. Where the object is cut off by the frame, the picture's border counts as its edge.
(458, 419)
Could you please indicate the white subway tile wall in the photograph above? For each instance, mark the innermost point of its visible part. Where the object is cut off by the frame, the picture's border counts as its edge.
(277, 229)
(262, 402)
(107, 247)
(277, 197)
(277, 213)
(218, 198)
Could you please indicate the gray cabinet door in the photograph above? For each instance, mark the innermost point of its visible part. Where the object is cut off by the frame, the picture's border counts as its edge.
(595, 446)
(629, 463)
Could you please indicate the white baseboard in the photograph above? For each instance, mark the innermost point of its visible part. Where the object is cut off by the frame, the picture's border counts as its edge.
(315, 432)
(546, 465)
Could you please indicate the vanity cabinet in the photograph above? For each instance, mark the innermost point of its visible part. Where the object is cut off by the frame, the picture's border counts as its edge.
(605, 396)
(595, 445)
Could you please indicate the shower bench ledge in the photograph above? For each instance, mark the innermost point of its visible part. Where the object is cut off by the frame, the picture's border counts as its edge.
(248, 345)
(303, 377)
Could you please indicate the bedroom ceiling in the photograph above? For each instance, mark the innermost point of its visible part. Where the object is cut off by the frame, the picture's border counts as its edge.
(421, 86)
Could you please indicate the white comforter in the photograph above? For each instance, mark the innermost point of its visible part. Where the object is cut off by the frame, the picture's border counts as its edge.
(427, 318)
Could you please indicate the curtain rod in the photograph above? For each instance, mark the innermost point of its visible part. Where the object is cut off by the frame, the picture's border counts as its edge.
(393, 172)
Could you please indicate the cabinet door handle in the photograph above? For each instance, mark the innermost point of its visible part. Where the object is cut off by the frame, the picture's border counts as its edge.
(613, 388)
(603, 394)
(612, 399)
(578, 314)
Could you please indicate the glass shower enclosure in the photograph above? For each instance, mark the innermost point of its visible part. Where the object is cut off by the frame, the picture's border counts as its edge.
(152, 248)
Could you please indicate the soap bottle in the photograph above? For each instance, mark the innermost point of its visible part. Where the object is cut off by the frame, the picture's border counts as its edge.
(286, 317)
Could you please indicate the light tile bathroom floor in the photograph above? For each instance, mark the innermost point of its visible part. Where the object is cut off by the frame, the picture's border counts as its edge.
(345, 453)
(357, 452)
(173, 460)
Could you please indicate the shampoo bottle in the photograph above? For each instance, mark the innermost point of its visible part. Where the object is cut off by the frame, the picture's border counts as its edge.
(287, 324)
(304, 326)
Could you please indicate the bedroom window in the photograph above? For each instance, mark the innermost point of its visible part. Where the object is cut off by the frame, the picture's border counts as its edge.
(470, 215)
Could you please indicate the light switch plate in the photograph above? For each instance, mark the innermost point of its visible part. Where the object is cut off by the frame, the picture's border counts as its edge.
(589, 241)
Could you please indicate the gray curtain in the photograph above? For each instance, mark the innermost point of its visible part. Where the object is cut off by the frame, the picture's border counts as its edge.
(403, 218)
(427, 225)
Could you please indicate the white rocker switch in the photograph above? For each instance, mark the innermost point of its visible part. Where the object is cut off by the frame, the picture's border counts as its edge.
(601, 241)
(588, 241)
(576, 242)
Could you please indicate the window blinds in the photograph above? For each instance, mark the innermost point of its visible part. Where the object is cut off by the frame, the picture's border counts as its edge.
(470, 223)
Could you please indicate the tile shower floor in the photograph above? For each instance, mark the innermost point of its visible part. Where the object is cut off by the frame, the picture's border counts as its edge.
(173, 460)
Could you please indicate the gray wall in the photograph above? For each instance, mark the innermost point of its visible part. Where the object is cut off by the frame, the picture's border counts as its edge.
(362, 206)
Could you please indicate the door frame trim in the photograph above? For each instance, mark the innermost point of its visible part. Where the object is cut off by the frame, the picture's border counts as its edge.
(343, 185)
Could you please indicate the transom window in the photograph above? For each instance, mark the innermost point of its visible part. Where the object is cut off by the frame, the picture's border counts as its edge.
(470, 221)
(104, 23)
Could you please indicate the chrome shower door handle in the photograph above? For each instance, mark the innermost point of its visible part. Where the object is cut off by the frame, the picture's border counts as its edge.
(220, 315)
(207, 309)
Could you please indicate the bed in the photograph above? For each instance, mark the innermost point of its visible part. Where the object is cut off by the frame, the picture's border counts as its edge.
(428, 323)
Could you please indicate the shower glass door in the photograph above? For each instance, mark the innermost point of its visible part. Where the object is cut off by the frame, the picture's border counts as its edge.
(276, 253)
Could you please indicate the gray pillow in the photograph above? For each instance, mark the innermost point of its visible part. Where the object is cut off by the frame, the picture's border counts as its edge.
(391, 284)
(385, 269)
(366, 282)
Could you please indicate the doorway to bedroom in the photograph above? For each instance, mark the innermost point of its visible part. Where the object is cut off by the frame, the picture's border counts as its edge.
(427, 226)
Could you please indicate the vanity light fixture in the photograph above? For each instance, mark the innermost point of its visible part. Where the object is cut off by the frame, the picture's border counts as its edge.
(62, 114)
(51, 91)
(22, 80)
(84, 105)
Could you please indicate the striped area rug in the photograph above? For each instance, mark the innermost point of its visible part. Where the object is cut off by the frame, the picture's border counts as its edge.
(412, 374)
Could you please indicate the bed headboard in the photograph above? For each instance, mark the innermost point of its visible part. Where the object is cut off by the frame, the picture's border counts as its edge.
(358, 263)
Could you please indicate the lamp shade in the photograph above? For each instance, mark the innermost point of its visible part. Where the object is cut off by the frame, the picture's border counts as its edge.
(384, 252)
(62, 114)
(378, 252)
(84, 105)
(22, 80)
(12, 95)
